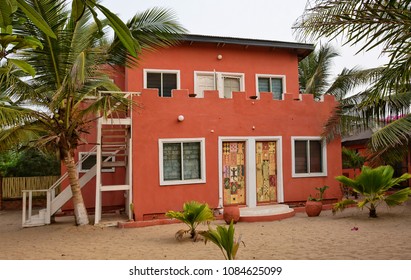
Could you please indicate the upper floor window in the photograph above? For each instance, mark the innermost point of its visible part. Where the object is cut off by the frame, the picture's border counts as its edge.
(271, 83)
(182, 161)
(309, 157)
(224, 82)
(163, 80)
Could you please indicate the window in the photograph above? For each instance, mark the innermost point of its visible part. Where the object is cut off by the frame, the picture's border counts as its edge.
(88, 160)
(182, 161)
(163, 80)
(205, 81)
(231, 84)
(274, 84)
(309, 157)
(225, 83)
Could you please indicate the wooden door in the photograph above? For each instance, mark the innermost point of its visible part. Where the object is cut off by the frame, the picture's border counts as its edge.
(234, 187)
(266, 172)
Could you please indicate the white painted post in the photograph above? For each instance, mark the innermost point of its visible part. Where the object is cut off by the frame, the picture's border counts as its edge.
(251, 174)
(48, 207)
(97, 215)
(24, 208)
(30, 203)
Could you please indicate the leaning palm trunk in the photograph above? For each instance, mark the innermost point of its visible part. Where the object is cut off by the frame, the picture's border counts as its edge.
(80, 211)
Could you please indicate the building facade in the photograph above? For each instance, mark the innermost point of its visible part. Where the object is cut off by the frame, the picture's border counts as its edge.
(221, 121)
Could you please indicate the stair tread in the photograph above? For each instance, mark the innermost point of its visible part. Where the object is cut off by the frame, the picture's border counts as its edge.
(113, 164)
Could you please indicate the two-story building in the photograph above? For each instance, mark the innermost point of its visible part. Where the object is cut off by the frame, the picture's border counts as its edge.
(218, 120)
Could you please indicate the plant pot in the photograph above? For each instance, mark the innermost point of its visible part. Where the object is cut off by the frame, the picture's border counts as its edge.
(253, 97)
(192, 95)
(231, 213)
(313, 208)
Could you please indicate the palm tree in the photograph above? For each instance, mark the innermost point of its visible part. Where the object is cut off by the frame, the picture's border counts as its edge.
(373, 185)
(315, 75)
(370, 24)
(352, 159)
(53, 109)
(315, 71)
(224, 238)
(194, 213)
(15, 10)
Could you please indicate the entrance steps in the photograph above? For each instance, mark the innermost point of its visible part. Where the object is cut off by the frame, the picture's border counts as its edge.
(266, 213)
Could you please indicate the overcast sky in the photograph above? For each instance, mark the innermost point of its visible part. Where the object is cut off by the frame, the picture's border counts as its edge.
(254, 19)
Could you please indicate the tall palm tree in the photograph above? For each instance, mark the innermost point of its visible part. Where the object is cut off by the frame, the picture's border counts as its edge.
(53, 109)
(15, 10)
(315, 71)
(315, 75)
(371, 24)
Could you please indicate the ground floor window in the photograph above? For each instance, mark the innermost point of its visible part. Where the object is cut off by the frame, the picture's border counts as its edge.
(309, 157)
(182, 161)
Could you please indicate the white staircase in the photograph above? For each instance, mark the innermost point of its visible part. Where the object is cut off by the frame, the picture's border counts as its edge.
(113, 149)
(54, 203)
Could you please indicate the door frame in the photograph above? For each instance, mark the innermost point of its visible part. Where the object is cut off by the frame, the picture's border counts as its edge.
(250, 166)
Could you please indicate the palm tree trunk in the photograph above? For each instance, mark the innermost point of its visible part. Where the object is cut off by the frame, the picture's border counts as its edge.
(373, 211)
(80, 211)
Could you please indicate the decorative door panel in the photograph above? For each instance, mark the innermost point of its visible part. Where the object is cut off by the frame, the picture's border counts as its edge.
(234, 173)
(266, 171)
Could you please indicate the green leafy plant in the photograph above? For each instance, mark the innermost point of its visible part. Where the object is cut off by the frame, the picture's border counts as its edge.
(193, 214)
(320, 194)
(223, 237)
(373, 184)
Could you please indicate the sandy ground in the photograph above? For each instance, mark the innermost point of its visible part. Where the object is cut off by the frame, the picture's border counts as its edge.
(326, 237)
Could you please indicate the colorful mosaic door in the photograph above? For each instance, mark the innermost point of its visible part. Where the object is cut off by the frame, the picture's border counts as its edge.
(266, 171)
(234, 172)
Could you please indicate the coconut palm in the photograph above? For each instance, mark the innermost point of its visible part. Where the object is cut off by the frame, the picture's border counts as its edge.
(370, 24)
(315, 71)
(53, 109)
(372, 184)
(223, 237)
(18, 10)
(194, 213)
(315, 75)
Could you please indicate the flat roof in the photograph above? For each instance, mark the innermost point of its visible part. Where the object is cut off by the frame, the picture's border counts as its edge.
(301, 49)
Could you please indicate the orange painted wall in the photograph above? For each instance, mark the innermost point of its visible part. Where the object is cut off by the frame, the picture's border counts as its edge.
(211, 117)
(203, 57)
(156, 118)
(226, 117)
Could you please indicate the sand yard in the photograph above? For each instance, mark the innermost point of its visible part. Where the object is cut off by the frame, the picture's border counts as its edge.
(326, 237)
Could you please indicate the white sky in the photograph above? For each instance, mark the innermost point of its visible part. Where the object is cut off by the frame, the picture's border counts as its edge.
(254, 19)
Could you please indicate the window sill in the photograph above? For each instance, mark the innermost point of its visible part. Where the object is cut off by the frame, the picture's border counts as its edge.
(309, 175)
(187, 182)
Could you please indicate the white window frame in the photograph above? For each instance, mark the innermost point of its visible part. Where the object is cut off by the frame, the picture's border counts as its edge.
(202, 161)
(105, 169)
(166, 71)
(219, 81)
(323, 158)
(269, 76)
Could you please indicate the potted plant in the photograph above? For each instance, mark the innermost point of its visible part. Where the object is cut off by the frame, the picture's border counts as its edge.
(314, 205)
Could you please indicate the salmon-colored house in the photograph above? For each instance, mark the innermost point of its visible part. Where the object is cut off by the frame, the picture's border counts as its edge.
(219, 120)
